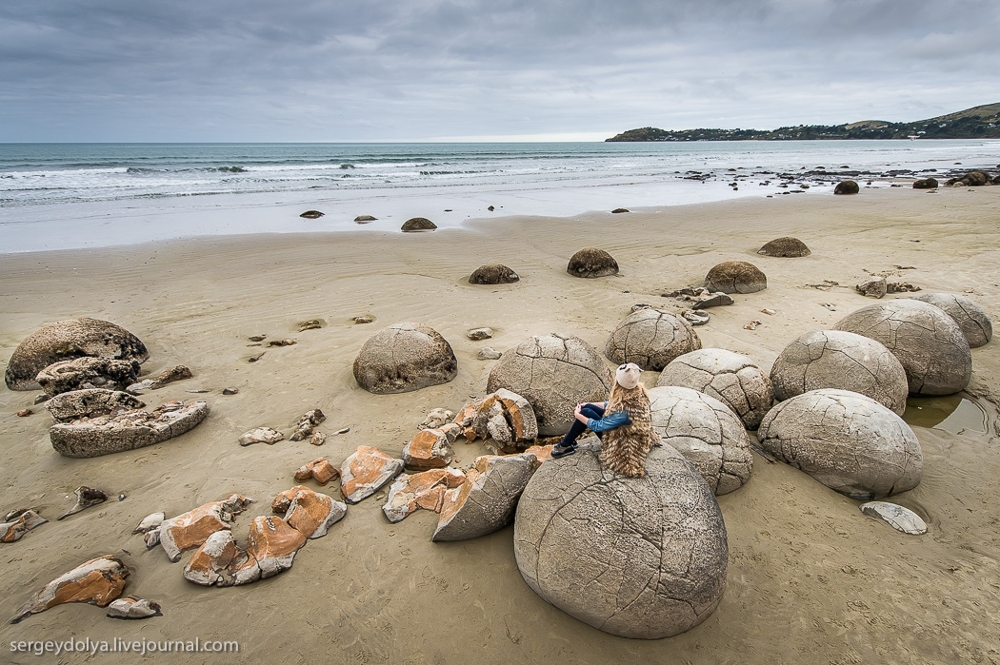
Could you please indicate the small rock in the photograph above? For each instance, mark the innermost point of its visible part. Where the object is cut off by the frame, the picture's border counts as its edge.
(261, 435)
(898, 517)
(752, 325)
(133, 608)
(619, 210)
(488, 353)
(696, 317)
(258, 338)
(317, 438)
(304, 427)
(829, 305)
(364, 318)
(639, 305)
(281, 342)
(149, 522)
(230, 391)
(436, 418)
(900, 287)
(873, 287)
(175, 373)
(24, 413)
(311, 324)
(344, 430)
(85, 498)
(311, 214)
(257, 357)
(706, 300)
(364, 219)
(477, 334)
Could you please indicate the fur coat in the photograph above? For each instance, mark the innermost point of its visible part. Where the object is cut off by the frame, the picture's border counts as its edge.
(624, 448)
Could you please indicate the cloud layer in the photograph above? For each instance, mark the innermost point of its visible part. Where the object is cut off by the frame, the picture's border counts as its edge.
(221, 70)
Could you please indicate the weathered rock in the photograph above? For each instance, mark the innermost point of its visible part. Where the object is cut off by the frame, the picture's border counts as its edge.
(507, 417)
(261, 435)
(839, 359)
(317, 438)
(404, 357)
(311, 214)
(493, 273)
(428, 449)
(362, 219)
(311, 324)
(488, 353)
(619, 210)
(591, 262)
(97, 582)
(171, 374)
(304, 427)
(696, 317)
(478, 334)
(91, 403)
(925, 340)
(364, 318)
(785, 247)
(486, 500)
(900, 287)
(133, 608)
(898, 517)
(925, 183)
(708, 300)
(418, 224)
(425, 490)
(651, 339)
(87, 372)
(848, 442)
(365, 471)
(310, 513)
(21, 522)
(104, 435)
(209, 566)
(65, 340)
(271, 548)
(971, 179)
(149, 523)
(553, 373)
(732, 378)
(320, 470)
(706, 432)
(86, 497)
(735, 277)
(636, 557)
(231, 391)
(436, 418)
(872, 287)
(192, 529)
(846, 187)
(972, 319)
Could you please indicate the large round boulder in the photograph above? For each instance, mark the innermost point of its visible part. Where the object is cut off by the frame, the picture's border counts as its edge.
(840, 359)
(786, 247)
(925, 340)
(732, 378)
(636, 557)
(493, 273)
(65, 340)
(418, 224)
(706, 432)
(846, 187)
(404, 357)
(848, 442)
(592, 262)
(651, 339)
(736, 277)
(554, 373)
(973, 320)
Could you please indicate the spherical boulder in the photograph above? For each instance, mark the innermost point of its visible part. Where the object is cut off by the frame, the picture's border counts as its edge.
(404, 357)
(848, 442)
(592, 262)
(493, 273)
(839, 359)
(927, 342)
(65, 340)
(787, 247)
(418, 224)
(736, 277)
(635, 557)
(651, 339)
(706, 432)
(925, 183)
(972, 319)
(732, 378)
(554, 373)
(846, 187)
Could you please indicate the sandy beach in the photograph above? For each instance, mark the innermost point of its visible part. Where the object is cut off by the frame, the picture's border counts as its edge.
(811, 579)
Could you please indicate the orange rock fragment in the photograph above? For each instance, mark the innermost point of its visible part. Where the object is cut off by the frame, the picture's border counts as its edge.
(97, 582)
(193, 528)
(429, 449)
(424, 490)
(319, 469)
(312, 514)
(271, 548)
(365, 472)
(541, 453)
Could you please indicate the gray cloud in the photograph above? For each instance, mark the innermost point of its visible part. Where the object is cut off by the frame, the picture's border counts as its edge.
(254, 70)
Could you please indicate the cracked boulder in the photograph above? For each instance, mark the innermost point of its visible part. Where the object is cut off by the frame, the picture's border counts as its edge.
(65, 340)
(87, 372)
(553, 373)
(732, 378)
(365, 472)
(971, 318)
(651, 339)
(735, 277)
(97, 582)
(404, 357)
(839, 359)
(706, 432)
(504, 418)
(591, 262)
(431, 448)
(424, 490)
(848, 442)
(486, 500)
(493, 273)
(927, 342)
(192, 529)
(785, 247)
(635, 557)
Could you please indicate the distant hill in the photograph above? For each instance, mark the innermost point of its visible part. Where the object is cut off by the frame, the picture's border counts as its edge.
(979, 122)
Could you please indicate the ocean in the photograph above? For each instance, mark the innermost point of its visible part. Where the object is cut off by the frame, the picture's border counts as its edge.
(69, 196)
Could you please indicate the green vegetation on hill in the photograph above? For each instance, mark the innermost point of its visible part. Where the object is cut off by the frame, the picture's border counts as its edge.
(979, 122)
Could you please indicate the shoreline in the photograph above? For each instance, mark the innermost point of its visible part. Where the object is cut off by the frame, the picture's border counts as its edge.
(810, 577)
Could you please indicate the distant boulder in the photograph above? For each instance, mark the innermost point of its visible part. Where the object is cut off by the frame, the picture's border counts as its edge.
(493, 273)
(786, 247)
(736, 277)
(592, 262)
(364, 219)
(846, 187)
(971, 179)
(925, 183)
(311, 214)
(418, 224)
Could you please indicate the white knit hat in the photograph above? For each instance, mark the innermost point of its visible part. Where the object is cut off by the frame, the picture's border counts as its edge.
(627, 375)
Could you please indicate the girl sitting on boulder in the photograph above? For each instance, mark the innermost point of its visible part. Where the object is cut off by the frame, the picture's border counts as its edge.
(623, 424)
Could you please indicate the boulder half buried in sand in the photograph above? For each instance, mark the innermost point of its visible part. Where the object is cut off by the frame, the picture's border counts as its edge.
(486, 500)
(896, 516)
(591, 262)
(65, 340)
(635, 557)
(493, 273)
(787, 247)
(846, 187)
(735, 277)
(97, 582)
(366, 471)
(404, 357)
(418, 224)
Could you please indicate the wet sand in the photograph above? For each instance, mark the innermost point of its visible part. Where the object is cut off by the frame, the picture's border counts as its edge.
(811, 579)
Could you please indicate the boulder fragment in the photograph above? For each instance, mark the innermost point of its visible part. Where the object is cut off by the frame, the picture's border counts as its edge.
(896, 516)
(873, 287)
(426, 490)
(86, 497)
(261, 435)
(97, 582)
(366, 471)
(486, 500)
(192, 529)
(133, 608)
(304, 427)
(428, 449)
(18, 523)
(310, 513)
(87, 372)
(436, 418)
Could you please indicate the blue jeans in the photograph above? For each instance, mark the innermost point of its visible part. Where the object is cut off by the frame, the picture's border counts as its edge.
(590, 411)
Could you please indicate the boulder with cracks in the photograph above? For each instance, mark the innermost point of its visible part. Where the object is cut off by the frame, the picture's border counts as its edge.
(651, 339)
(404, 357)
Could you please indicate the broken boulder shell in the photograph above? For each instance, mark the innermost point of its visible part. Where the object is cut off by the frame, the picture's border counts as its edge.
(91, 403)
(635, 557)
(365, 472)
(19, 523)
(425, 490)
(271, 548)
(86, 497)
(896, 516)
(65, 340)
(87, 372)
(261, 435)
(133, 608)
(308, 512)
(404, 357)
(97, 582)
(849, 442)
(651, 339)
(192, 529)
(972, 319)
(431, 448)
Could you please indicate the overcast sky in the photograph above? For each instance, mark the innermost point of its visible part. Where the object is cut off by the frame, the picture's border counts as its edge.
(372, 70)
